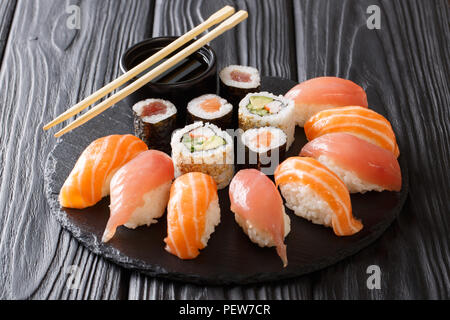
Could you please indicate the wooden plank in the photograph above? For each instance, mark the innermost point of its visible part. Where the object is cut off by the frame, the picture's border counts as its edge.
(7, 9)
(265, 40)
(405, 64)
(47, 67)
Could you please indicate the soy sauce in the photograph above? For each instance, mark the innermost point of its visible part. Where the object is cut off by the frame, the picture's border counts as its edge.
(187, 69)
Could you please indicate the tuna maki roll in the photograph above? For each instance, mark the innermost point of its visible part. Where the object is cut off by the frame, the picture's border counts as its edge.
(210, 108)
(203, 147)
(154, 122)
(265, 148)
(265, 109)
(236, 82)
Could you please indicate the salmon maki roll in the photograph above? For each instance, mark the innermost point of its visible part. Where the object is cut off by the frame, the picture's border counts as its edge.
(193, 213)
(259, 210)
(89, 180)
(361, 122)
(140, 191)
(361, 165)
(315, 193)
(323, 93)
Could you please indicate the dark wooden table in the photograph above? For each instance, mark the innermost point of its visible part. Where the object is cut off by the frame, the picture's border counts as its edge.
(45, 67)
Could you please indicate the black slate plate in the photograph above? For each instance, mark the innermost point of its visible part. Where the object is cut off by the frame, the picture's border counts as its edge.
(230, 257)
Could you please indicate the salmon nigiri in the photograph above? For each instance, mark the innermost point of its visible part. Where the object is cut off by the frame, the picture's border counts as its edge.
(140, 191)
(89, 180)
(323, 93)
(192, 214)
(259, 210)
(361, 122)
(362, 166)
(317, 194)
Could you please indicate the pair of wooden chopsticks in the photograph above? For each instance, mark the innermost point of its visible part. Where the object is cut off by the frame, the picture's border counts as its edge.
(217, 17)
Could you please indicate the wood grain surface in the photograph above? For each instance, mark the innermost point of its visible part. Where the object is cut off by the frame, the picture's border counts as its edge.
(46, 67)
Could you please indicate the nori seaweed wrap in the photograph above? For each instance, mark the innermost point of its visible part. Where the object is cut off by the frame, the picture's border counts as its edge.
(154, 122)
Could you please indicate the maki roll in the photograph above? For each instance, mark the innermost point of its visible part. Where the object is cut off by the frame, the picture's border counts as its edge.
(236, 82)
(265, 148)
(266, 109)
(203, 147)
(210, 108)
(154, 122)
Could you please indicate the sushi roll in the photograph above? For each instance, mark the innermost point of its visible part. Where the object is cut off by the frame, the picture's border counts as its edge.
(323, 93)
(315, 193)
(210, 108)
(361, 165)
(236, 82)
(203, 147)
(361, 122)
(259, 210)
(264, 148)
(89, 180)
(193, 213)
(265, 109)
(154, 122)
(140, 191)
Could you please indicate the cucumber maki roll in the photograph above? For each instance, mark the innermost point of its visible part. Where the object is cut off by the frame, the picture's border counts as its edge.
(154, 122)
(265, 109)
(203, 147)
(210, 108)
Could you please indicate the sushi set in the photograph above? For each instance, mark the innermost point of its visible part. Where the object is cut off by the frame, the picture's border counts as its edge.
(256, 179)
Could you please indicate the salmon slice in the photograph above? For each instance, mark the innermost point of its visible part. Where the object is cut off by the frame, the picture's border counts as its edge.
(263, 139)
(323, 93)
(210, 105)
(191, 212)
(255, 200)
(361, 122)
(89, 180)
(369, 162)
(326, 185)
(140, 191)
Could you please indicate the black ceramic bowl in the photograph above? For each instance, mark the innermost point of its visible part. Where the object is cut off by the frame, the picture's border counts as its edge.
(180, 92)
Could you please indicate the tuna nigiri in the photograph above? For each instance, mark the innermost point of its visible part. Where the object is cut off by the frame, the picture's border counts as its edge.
(193, 213)
(362, 166)
(323, 93)
(259, 210)
(361, 122)
(317, 194)
(140, 191)
(89, 180)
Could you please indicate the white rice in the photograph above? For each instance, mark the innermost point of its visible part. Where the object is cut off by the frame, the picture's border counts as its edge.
(195, 109)
(255, 79)
(306, 203)
(138, 108)
(212, 220)
(279, 139)
(218, 162)
(155, 203)
(284, 119)
(351, 180)
(260, 237)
